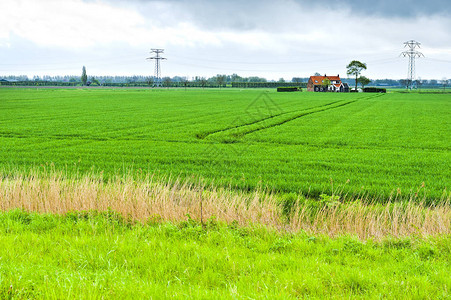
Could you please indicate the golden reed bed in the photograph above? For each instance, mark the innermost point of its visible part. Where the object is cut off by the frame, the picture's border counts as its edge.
(149, 199)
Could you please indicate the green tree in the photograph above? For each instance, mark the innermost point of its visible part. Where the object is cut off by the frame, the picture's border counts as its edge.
(167, 82)
(149, 81)
(445, 83)
(185, 82)
(297, 80)
(203, 82)
(220, 79)
(326, 83)
(84, 77)
(363, 81)
(95, 81)
(419, 83)
(404, 83)
(355, 67)
(409, 84)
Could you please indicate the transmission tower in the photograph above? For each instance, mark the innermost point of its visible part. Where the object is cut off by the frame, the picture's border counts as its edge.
(412, 53)
(157, 59)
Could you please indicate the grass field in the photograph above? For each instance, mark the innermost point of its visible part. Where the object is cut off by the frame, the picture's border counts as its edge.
(375, 145)
(98, 256)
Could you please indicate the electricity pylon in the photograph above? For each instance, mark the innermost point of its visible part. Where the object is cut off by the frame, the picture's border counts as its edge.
(412, 53)
(157, 59)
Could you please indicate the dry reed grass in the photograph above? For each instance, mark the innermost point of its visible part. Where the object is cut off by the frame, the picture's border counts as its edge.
(149, 199)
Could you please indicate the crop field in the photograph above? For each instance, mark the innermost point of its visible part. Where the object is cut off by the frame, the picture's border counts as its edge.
(376, 145)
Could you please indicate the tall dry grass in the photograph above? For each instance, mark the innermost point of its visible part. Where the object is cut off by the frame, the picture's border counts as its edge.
(146, 199)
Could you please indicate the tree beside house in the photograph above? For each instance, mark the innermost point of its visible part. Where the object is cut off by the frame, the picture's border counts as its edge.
(355, 67)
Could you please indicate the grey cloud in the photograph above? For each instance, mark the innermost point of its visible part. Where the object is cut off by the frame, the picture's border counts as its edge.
(393, 8)
(277, 15)
(239, 15)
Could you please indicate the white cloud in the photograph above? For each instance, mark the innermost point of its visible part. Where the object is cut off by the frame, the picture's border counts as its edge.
(319, 39)
(71, 23)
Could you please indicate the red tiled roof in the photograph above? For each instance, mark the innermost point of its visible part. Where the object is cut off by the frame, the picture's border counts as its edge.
(321, 78)
(318, 79)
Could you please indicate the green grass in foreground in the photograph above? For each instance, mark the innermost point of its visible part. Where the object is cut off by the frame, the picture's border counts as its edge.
(88, 256)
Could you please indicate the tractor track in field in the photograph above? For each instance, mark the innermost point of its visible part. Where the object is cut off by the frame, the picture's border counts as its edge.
(204, 135)
(301, 113)
(305, 112)
(293, 118)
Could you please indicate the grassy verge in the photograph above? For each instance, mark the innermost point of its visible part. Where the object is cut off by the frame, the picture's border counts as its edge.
(101, 255)
(146, 199)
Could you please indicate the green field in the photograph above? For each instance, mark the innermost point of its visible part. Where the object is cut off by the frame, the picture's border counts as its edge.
(99, 256)
(277, 194)
(312, 143)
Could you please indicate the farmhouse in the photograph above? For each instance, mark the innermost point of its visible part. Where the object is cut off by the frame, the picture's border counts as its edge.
(326, 84)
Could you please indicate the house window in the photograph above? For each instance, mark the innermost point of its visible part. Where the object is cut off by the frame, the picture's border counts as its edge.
(316, 81)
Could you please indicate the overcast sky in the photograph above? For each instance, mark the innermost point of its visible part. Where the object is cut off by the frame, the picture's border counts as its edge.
(272, 39)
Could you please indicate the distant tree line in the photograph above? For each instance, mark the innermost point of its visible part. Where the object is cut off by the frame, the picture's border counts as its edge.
(219, 80)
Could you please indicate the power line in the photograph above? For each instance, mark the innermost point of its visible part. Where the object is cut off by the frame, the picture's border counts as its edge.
(438, 60)
(77, 62)
(294, 65)
(157, 59)
(316, 59)
(412, 53)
